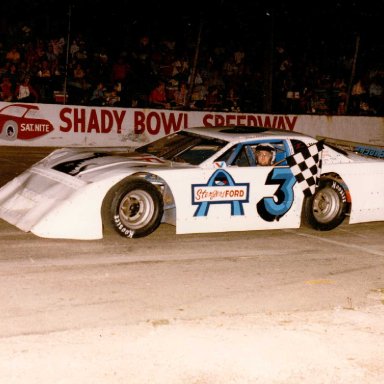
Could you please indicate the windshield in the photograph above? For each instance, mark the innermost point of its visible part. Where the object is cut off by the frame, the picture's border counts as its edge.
(184, 147)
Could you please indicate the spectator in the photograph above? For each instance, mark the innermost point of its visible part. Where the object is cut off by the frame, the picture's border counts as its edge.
(44, 81)
(199, 96)
(232, 100)
(120, 70)
(237, 65)
(158, 97)
(6, 90)
(44, 71)
(98, 96)
(79, 86)
(79, 74)
(375, 91)
(113, 97)
(40, 49)
(342, 100)
(358, 97)
(74, 48)
(30, 55)
(180, 96)
(13, 55)
(180, 68)
(51, 56)
(12, 74)
(25, 93)
(213, 100)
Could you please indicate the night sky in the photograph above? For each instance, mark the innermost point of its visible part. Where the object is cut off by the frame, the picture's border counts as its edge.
(326, 27)
(242, 19)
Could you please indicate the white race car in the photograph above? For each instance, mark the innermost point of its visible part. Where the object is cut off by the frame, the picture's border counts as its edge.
(200, 180)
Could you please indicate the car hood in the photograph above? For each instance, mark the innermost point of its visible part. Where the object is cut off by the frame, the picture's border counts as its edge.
(88, 164)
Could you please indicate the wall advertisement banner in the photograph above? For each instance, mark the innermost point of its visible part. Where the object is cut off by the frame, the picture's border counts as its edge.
(53, 125)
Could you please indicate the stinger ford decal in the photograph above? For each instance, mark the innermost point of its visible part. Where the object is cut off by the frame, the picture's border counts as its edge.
(220, 189)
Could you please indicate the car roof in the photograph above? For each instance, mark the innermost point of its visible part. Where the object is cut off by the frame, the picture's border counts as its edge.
(243, 133)
(16, 105)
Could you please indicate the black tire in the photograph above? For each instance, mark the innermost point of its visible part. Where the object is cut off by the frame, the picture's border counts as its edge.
(327, 208)
(132, 208)
(10, 130)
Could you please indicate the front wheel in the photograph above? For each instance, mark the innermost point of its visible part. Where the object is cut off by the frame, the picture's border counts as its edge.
(10, 130)
(327, 208)
(132, 208)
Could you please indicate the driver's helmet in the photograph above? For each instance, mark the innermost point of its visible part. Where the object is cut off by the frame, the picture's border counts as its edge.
(267, 147)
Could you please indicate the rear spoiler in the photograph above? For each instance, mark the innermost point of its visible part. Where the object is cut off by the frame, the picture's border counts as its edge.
(376, 151)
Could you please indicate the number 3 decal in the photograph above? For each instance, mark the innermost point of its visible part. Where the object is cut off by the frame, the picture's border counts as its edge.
(272, 208)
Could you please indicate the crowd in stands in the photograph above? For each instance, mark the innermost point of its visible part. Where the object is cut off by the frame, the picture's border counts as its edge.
(159, 74)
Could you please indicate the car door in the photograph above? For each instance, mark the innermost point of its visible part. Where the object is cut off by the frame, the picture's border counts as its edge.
(236, 195)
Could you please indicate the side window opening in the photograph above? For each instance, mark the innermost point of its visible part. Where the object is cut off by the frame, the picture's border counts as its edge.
(243, 158)
(243, 155)
(279, 151)
(238, 155)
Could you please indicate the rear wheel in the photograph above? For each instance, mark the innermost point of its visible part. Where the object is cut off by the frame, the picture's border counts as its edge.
(327, 208)
(132, 208)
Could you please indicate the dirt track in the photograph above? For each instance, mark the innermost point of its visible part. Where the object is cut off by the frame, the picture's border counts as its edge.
(290, 306)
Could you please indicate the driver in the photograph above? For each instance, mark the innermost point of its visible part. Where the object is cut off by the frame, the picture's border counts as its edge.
(264, 154)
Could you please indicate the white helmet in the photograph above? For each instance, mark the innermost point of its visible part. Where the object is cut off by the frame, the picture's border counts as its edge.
(267, 147)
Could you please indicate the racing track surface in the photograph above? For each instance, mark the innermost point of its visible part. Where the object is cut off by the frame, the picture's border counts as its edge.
(288, 306)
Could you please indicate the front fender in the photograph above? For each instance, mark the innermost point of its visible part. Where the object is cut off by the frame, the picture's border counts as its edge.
(79, 216)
